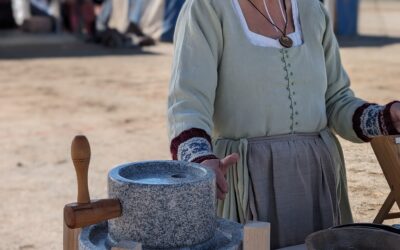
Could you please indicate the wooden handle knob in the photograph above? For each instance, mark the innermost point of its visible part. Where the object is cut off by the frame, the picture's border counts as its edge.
(82, 215)
(80, 154)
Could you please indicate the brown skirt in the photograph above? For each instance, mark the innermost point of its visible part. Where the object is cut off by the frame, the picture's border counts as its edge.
(293, 186)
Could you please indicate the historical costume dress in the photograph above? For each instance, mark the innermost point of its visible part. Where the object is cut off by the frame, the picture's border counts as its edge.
(232, 91)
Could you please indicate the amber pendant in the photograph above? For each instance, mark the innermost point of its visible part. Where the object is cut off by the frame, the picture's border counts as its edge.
(286, 41)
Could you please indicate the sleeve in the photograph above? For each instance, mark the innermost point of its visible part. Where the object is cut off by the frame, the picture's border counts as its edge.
(350, 117)
(198, 45)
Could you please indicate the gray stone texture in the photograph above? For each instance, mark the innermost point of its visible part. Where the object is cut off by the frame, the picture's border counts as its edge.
(165, 204)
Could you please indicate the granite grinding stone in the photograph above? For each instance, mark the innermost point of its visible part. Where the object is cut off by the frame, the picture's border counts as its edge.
(227, 236)
(165, 204)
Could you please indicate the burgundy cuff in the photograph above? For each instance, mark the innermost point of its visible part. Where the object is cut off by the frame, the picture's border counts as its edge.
(387, 119)
(187, 135)
(371, 120)
(357, 122)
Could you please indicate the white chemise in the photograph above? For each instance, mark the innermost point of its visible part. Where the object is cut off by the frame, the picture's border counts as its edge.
(264, 41)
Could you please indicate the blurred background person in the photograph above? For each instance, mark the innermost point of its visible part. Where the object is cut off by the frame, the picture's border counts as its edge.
(115, 26)
(36, 15)
(144, 21)
(79, 17)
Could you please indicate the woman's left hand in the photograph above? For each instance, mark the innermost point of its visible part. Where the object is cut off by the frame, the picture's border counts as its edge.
(395, 114)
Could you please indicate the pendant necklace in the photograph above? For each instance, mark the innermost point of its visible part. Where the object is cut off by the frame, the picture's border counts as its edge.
(284, 40)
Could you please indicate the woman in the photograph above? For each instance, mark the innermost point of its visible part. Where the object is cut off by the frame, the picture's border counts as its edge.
(264, 80)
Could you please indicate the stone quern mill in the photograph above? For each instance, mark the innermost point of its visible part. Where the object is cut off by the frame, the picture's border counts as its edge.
(154, 205)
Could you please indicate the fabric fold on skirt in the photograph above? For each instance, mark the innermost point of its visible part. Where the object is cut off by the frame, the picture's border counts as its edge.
(234, 207)
(335, 149)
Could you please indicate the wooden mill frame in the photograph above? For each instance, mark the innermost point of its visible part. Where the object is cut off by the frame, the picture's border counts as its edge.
(387, 151)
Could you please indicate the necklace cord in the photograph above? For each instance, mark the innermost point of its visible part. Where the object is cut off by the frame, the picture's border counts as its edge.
(286, 16)
(270, 21)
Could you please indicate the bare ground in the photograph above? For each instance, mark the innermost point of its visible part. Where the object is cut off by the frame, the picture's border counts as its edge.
(119, 102)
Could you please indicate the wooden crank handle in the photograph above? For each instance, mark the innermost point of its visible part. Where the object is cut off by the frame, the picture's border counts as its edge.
(82, 215)
(80, 154)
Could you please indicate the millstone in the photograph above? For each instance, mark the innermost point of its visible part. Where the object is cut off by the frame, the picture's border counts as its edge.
(227, 236)
(165, 204)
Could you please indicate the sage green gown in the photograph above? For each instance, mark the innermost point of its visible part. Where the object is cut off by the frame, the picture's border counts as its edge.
(236, 91)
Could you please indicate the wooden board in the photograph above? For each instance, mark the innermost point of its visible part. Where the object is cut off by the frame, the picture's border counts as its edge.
(387, 151)
(70, 238)
(257, 236)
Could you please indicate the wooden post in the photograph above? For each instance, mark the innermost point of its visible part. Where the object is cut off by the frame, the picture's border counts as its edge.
(80, 153)
(387, 151)
(70, 238)
(257, 236)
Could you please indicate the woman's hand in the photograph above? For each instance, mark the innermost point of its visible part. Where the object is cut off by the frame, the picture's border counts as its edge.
(395, 114)
(220, 167)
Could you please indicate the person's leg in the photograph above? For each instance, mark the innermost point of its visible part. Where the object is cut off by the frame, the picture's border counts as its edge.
(36, 11)
(21, 11)
(88, 17)
(104, 16)
(134, 28)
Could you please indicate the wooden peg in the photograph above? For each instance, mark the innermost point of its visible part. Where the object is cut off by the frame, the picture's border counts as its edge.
(257, 236)
(80, 154)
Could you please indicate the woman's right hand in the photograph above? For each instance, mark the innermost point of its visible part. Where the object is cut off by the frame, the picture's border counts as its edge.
(220, 167)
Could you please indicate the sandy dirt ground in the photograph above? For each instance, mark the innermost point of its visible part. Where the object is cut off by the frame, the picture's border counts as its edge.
(119, 102)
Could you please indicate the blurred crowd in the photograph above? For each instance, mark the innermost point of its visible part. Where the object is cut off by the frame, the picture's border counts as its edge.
(114, 23)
